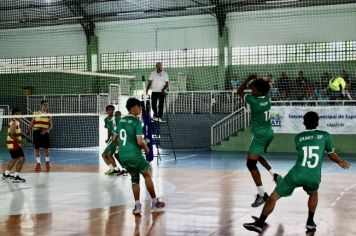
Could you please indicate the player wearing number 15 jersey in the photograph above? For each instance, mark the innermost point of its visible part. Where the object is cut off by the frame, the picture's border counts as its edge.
(261, 128)
(311, 146)
(131, 143)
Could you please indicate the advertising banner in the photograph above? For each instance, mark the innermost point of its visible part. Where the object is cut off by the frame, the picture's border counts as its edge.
(333, 119)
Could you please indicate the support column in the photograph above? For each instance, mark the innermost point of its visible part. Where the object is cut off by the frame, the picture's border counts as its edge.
(93, 60)
(224, 57)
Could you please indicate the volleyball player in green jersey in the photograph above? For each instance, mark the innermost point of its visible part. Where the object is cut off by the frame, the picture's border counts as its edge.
(111, 122)
(261, 128)
(311, 146)
(131, 143)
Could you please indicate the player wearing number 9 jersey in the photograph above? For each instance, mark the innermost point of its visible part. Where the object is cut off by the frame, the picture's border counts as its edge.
(311, 146)
(261, 128)
(131, 143)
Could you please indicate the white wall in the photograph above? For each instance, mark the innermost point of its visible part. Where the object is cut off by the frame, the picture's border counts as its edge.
(281, 26)
(44, 41)
(158, 34)
(284, 26)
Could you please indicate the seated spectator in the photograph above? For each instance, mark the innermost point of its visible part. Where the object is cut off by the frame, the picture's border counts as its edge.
(274, 91)
(319, 91)
(235, 81)
(309, 91)
(269, 78)
(283, 84)
(301, 83)
(324, 79)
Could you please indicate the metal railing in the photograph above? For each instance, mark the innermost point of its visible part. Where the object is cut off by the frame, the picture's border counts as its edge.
(203, 102)
(240, 119)
(6, 112)
(70, 103)
(230, 125)
(314, 103)
(24, 123)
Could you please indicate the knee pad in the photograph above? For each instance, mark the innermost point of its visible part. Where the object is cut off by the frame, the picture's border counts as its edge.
(135, 179)
(251, 164)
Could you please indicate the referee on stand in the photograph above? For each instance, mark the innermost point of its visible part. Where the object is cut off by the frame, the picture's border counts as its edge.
(159, 82)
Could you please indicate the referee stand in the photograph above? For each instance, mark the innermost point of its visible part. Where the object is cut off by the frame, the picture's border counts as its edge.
(159, 134)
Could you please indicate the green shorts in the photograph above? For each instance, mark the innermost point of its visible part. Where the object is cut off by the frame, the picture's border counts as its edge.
(260, 143)
(135, 165)
(110, 148)
(287, 185)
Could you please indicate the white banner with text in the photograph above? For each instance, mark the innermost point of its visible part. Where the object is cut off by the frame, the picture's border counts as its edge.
(333, 119)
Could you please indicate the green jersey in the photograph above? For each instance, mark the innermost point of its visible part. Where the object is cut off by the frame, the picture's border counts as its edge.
(128, 129)
(111, 125)
(311, 146)
(260, 106)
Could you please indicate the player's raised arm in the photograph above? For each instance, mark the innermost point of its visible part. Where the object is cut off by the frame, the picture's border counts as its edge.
(335, 158)
(243, 85)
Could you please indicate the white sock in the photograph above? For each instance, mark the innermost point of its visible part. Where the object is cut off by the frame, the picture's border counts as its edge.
(7, 172)
(154, 200)
(117, 168)
(137, 202)
(38, 159)
(271, 172)
(47, 159)
(260, 190)
(110, 166)
(16, 174)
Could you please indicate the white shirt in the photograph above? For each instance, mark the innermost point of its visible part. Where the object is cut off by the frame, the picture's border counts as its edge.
(158, 80)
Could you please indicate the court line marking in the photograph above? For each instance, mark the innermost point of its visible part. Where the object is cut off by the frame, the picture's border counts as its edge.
(180, 158)
(346, 189)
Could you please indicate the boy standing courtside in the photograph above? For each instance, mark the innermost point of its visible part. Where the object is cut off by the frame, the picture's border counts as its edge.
(111, 123)
(41, 125)
(311, 146)
(260, 104)
(131, 143)
(14, 145)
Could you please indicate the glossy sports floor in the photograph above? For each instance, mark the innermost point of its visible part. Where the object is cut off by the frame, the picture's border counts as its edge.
(206, 194)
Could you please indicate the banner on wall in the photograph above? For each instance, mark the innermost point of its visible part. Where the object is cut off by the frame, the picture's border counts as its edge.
(333, 119)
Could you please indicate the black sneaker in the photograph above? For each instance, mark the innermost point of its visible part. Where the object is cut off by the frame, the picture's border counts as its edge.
(18, 179)
(260, 200)
(277, 178)
(114, 172)
(122, 172)
(311, 227)
(4, 177)
(253, 227)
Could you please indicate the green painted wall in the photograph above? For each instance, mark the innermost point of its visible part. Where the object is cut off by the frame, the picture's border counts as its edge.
(283, 143)
(198, 78)
(53, 83)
